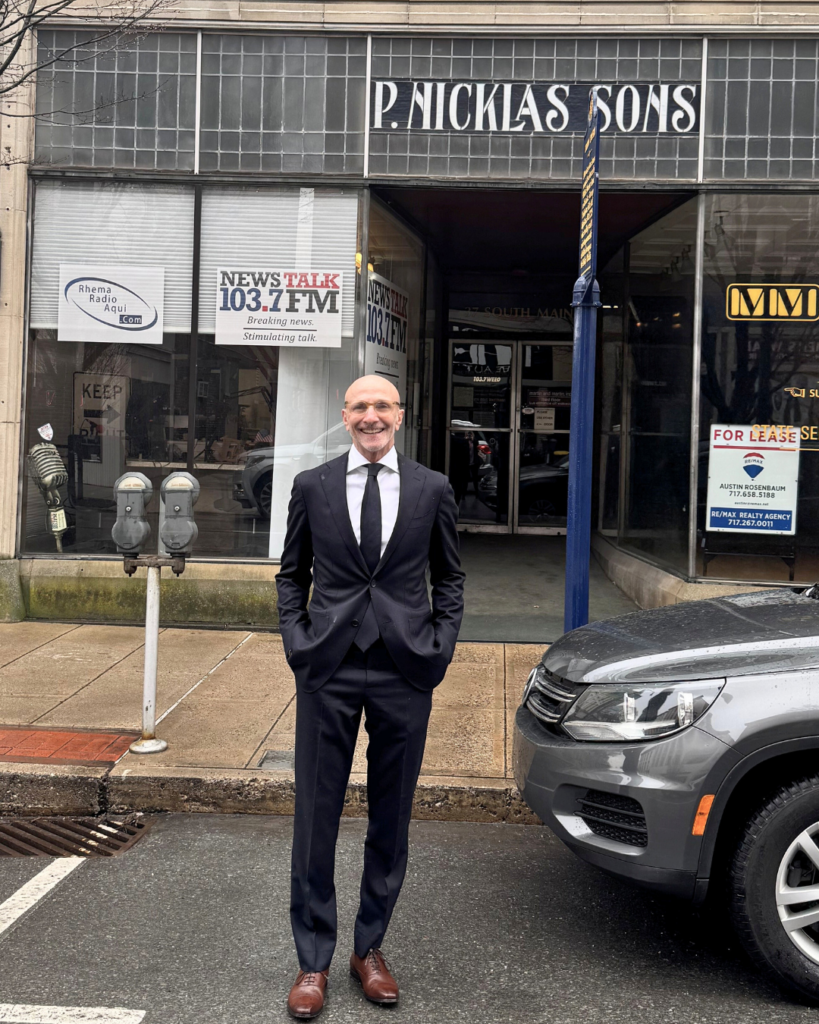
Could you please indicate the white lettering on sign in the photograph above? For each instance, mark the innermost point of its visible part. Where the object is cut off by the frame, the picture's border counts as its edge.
(534, 108)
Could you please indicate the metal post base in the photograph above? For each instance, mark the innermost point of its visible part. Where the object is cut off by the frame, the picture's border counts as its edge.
(152, 746)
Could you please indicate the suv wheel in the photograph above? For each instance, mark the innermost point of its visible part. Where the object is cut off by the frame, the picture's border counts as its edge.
(775, 887)
(264, 495)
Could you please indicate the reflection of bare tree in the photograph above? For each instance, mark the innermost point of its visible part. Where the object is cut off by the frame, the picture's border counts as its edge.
(761, 369)
(765, 362)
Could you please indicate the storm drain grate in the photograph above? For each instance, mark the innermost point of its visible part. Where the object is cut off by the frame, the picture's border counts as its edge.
(68, 837)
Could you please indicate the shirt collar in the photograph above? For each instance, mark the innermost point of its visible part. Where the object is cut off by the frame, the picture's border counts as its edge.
(356, 459)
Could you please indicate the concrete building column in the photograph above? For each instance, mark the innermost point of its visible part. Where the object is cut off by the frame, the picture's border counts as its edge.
(16, 145)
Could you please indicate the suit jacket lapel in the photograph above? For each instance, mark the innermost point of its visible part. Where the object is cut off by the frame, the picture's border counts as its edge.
(334, 482)
(412, 485)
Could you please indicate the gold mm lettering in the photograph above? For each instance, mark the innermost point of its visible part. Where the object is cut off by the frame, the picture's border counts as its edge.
(794, 302)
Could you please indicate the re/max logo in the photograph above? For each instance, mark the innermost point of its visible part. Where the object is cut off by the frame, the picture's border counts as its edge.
(772, 302)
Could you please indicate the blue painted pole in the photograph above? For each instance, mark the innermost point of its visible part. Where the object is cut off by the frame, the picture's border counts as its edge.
(585, 300)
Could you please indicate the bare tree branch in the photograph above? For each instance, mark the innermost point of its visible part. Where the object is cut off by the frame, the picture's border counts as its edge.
(103, 28)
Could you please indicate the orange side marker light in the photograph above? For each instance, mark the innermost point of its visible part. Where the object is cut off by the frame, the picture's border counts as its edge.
(701, 817)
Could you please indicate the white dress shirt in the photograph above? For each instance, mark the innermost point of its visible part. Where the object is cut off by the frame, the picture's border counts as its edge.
(389, 486)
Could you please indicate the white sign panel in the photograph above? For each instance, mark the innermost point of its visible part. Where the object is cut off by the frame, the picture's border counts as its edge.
(290, 308)
(386, 349)
(753, 475)
(112, 304)
(544, 419)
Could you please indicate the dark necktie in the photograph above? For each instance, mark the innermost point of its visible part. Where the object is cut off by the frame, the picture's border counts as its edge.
(370, 545)
(371, 518)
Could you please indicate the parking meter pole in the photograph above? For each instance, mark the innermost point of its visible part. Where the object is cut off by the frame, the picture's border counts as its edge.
(149, 744)
(585, 300)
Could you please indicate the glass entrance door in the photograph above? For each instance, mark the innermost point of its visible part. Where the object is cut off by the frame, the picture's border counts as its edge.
(480, 456)
(544, 392)
(508, 426)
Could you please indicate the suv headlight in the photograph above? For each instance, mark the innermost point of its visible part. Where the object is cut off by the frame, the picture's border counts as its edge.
(606, 712)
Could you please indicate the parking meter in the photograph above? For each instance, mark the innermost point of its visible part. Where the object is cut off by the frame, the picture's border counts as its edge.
(179, 493)
(131, 531)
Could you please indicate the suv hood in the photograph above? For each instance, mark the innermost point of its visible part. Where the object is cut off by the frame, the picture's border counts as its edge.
(765, 631)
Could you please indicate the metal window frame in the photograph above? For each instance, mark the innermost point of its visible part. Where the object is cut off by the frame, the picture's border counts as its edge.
(696, 360)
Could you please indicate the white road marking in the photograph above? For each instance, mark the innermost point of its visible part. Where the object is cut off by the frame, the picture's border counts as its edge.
(22, 1013)
(32, 892)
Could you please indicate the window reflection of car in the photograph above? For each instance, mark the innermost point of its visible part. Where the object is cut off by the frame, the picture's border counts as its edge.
(254, 489)
(543, 489)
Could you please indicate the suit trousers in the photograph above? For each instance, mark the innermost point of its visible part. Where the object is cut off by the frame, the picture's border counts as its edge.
(327, 722)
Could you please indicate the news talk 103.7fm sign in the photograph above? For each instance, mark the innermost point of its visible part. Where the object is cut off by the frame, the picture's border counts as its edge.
(534, 108)
(387, 316)
(291, 308)
(753, 479)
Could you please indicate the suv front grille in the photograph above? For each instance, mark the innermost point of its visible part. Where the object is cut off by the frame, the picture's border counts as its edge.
(551, 697)
(619, 818)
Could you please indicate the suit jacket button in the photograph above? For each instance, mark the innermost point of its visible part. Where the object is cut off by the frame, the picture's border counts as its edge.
(372, 583)
(355, 623)
(290, 653)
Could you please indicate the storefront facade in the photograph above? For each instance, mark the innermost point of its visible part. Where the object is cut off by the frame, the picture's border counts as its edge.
(284, 210)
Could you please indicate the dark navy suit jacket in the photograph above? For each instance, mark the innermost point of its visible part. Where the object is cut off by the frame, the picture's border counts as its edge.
(320, 549)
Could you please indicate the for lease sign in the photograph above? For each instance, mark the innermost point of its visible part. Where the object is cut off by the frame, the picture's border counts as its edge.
(262, 306)
(753, 480)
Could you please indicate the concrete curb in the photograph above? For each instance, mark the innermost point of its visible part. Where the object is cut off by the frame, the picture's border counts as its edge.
(31, 789)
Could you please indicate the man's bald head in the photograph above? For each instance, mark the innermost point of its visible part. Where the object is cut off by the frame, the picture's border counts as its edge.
(371, 385)
(372, 414)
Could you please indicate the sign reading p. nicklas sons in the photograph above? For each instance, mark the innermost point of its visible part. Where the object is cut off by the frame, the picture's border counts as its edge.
(533, 108)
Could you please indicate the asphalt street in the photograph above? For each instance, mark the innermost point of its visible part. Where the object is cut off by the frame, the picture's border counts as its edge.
(496, 923)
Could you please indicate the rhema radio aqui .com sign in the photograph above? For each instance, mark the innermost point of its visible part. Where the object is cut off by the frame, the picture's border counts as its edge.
(629, 108)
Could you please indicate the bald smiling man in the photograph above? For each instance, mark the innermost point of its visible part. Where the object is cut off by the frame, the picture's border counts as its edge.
(362, 530)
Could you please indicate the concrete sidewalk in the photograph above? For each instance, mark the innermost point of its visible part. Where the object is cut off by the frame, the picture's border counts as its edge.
(226, 706)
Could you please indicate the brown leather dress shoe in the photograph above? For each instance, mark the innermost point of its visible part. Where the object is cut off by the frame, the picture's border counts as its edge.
(306, 999)
(372, 972)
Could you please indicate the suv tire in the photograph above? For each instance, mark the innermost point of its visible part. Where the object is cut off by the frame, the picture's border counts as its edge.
(777, 853)
(264, 495)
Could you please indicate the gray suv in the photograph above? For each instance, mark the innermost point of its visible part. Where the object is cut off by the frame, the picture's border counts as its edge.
(679, 748)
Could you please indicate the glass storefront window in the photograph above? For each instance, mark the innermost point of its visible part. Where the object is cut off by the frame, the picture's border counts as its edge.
(760, 366)
(110, 408)
(106, 406)
(394, 327)
(254, 415)
(646, 366)
(265, 413)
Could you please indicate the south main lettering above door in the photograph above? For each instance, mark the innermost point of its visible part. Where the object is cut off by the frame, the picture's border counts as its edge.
(631, 108)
